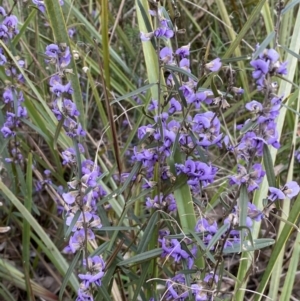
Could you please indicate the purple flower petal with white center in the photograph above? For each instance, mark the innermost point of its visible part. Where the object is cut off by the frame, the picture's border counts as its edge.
(261, 68)
(175, 106)
(254, 106)
(185, 64)
(52, 50)
(69, 197)
(57, 89)
(282, 69)
(272, 55)
(215, 65)
(7, 132)
(166, 55)
(291, 189)
(275, 194)
(203, 225)
(183, 51)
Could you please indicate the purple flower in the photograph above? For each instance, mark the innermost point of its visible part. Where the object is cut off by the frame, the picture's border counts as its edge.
(58, 89)
(164, 32)
(70, 197)
(69, 155)
(90, 179)
(175, 106)
(261, 68)
(153, 105)
(282, 68)
(203, 225)
(252, 179)
(70, 108)
(71, 32)
(275, 194)
(8, 95)
(176, 288)
(183, 51)
(166, 55)
(65, 58)
(185, 64)
(146, 36)
(3, 59)
(255, 177)
(197, 98)
(7, 132)
(254, 106)
(188, 88)
(21, 112)
(87, 166)
(199, 292)
(2, 11)
(238, 91)
(272, 55)
(78, 239)
(215, 65)
(254, 213)
(52, 51)
(209, 277)
(291, 189)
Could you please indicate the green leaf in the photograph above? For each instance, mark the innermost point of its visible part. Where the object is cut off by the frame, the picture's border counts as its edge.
(141, 257)
(217, 236)
(67, 276)
(26, 228)
(268, 163)
(133, 93)
(24, 27)
(250, 20)
(289, 6)
(148, 233)
(243, 206)
(181, 71)
(247, 246)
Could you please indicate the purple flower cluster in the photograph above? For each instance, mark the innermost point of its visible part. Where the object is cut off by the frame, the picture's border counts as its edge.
(199, 174)
(252, 179)
(209, 227)
(172, 248)
(58, 55)
(163, 31)
(199, 132)
(289, 190)
(82, 197)
(94, 272)
(8, 26)
(11, 97)
(167, 203)
(63, 107)
(267, 64)
(177, 288)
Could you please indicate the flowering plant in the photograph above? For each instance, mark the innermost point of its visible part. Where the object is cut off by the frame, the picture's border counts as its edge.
(145, 161)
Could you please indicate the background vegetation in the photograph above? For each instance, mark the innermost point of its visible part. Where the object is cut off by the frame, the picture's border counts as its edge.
(114, 76)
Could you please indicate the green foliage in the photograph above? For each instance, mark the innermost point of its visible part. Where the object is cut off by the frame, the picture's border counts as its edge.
(115, 76)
